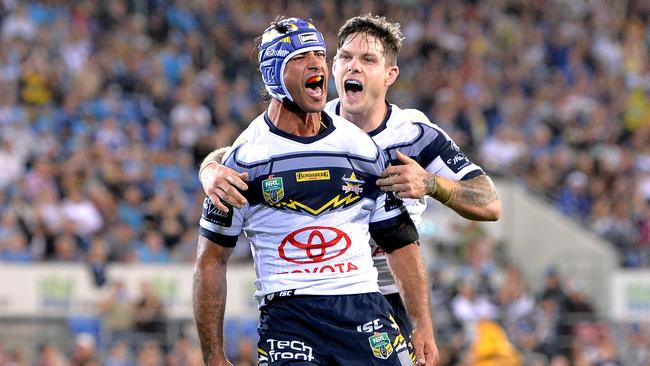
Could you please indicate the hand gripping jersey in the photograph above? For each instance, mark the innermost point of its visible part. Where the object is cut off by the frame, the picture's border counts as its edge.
(310, 203)
(411, 132)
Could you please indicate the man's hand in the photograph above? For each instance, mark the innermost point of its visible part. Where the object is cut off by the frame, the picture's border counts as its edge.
(426, 351)
(409, 180)
(221, 184)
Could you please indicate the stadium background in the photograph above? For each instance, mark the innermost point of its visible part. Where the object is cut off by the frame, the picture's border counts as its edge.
(107, 108)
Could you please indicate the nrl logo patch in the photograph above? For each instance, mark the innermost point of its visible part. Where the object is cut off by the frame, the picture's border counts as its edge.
(352, 184)
(380, 344)
(273, 189)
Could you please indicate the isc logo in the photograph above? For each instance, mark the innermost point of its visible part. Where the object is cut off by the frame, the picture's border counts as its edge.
(285, 293)
(370, 326)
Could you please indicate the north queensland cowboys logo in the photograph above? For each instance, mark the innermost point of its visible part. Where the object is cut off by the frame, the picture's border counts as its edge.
(352, 184)
(273, 189)
(380, 344)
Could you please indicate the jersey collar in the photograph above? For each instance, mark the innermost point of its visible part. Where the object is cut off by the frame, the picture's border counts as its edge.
(301, 139)
(381, 127)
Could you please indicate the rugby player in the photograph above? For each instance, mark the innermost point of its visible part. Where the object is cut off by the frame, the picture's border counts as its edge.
(310, 212)
(425, 160)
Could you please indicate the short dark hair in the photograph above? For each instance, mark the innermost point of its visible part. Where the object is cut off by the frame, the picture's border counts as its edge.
(388, 33)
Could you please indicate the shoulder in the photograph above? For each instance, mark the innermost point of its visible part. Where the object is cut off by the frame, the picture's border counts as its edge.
(410, 116)
(255, 131)
(348, 131)
(332, 106)
(350, 140)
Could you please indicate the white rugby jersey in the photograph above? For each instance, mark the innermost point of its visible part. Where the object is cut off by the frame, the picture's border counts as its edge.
(411, 132)
(310, 203)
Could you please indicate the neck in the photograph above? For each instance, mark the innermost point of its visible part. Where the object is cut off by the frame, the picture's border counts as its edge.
(292, 120)
(368, 120)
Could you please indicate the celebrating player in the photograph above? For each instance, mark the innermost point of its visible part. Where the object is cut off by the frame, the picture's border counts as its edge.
(310, 210)
(425, 159)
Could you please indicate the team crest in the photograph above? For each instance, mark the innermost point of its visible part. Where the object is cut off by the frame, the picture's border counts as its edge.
(352, 184)
(273, 189)
(380, 344)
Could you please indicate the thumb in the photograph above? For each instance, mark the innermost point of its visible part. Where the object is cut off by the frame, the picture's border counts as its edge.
(402, 157)
(243, 176)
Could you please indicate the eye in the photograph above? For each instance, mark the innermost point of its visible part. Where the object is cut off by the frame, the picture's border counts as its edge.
(344, 57)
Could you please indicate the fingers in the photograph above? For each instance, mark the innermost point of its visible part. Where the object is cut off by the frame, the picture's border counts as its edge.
(217, 202)
(403, 158)
(232, 196)
(432, 356)
(390, 180)
(238, 180)
(419, 356)
(390, 170)
(397, 188)
(223, 186)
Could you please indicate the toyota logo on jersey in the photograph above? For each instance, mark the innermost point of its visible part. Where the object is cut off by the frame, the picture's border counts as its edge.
(314, 244)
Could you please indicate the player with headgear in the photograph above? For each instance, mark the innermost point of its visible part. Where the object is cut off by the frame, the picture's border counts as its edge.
(311, 210)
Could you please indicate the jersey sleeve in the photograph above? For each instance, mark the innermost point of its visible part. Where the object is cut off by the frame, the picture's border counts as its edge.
(391, 226)
(220, 227)
(435, 151)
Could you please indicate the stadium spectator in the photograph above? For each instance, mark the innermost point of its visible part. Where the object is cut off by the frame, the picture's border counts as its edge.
(116, 310)
(119, 355)
(568, 78)
(85, 351)
(149, 314)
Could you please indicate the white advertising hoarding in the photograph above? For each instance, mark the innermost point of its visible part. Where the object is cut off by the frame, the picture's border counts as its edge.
(68, 289)
(630, 295)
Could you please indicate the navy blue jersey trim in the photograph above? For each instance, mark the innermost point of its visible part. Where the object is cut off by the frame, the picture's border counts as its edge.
(473, 174)
(400, 145)
(383, 124)
(302, 139)
(302, 155)
(377, 130)
(219, 239)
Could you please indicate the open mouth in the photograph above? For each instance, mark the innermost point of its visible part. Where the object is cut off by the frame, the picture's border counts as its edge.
(352, 87)
(314, 85)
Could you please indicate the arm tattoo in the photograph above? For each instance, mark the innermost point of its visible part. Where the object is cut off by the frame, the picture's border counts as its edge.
(430, 184)
(478, 191)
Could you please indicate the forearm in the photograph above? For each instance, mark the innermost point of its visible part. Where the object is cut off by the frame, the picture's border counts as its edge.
(209, 300)
(214, 156)
(407, 267)
(474, 199)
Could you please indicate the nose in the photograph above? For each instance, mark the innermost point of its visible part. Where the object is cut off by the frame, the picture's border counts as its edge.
(314, 61)
(353, 65)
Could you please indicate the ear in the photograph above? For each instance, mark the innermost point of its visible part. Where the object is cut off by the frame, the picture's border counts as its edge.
(333, 63)
(391, 74)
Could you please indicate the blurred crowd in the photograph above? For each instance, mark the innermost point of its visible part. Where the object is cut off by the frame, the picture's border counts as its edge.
(107, 108)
